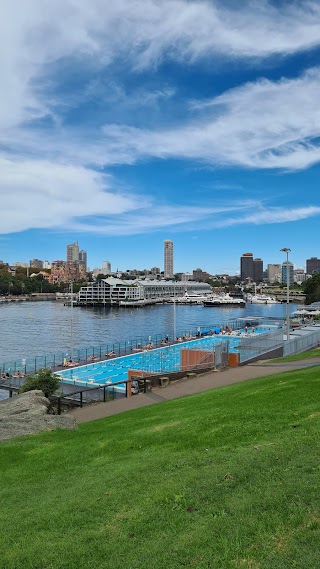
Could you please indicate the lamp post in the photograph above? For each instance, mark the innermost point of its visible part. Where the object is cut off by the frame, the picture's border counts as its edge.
(71, 347)
(287, 251)
(174, 312)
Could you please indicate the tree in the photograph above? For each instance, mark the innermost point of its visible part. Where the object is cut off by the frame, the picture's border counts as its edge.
(44, 379)
(312, 289)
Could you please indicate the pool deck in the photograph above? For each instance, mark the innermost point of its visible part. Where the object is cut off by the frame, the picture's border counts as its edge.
(188, 386)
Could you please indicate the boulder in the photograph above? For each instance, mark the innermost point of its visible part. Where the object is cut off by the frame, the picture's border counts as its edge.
(27, 414)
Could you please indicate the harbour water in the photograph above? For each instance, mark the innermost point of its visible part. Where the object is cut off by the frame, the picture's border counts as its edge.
(38, 328)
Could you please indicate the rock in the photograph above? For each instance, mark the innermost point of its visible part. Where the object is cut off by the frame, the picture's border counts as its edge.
(27, 414)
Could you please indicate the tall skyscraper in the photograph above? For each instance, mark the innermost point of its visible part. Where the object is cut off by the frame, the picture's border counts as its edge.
(83, 257)
(246, 266)
(313, 265)
(168, 259)
(73, 252)
(257, 270)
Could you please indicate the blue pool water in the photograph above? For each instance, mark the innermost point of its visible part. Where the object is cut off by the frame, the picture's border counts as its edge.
(160, 360)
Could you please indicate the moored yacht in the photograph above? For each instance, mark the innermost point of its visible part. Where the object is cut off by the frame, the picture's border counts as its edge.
(224, 300)
(261, 299)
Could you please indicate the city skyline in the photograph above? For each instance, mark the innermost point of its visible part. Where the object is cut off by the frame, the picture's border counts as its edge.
(253, 270)
(194, 121)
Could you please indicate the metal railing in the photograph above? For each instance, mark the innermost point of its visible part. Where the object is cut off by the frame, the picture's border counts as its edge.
(302, 343)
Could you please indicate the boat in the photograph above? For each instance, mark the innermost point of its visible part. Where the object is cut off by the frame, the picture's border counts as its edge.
(188, 298)
(261, 299)
(225, 300)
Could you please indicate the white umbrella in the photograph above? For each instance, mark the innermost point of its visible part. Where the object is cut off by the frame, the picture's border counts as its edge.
(301, 311)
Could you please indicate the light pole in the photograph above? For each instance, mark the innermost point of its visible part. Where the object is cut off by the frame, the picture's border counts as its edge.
(174, 312)
(287, 251)
(71, 347)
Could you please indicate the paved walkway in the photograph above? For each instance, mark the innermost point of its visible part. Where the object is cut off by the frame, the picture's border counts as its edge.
(188, 386)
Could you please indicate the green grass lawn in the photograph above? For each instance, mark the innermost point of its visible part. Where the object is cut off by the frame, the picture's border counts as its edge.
(296, 357)
(224, 479)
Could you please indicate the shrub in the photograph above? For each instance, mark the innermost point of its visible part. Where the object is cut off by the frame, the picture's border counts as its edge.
(44, 379)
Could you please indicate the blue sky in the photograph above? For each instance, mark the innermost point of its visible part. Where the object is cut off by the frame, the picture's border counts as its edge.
(126, 123)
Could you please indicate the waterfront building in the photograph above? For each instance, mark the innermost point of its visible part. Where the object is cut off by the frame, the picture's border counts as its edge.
(112, 290)
(73, 252)
(287, 267)
(312, 265)
(168, 259)
(246, 267)
(274, 272)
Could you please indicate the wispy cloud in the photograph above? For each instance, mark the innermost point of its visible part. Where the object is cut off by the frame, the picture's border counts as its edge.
(264, 124)
(43, 194)
(35, 37)
(263, 216)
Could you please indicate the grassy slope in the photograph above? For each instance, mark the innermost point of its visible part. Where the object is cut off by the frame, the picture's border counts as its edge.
(296, 357)
(225, 479)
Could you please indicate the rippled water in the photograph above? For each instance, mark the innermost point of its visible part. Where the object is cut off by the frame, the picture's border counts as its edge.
(37, 328)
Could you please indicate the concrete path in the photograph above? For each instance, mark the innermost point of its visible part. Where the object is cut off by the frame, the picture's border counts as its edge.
(187, 386)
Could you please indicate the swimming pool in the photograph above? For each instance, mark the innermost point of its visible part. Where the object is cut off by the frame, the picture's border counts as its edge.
(160, 360)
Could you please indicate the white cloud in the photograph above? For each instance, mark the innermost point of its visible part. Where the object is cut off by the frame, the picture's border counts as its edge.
(263, 216)
(42, 194)
(37, 35)
(265, 124)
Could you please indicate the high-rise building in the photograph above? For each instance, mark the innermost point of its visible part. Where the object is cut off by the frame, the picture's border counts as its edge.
(312, 265)
(168, 259)
(274, 273)
(286, 268)
(246, 267)
(73, 252)
(257, 270)
(83, 257)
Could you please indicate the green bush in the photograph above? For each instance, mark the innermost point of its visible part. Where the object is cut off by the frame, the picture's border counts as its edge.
(44, 380)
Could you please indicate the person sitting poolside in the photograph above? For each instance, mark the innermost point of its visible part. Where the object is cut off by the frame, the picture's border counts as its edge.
(110, 354)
